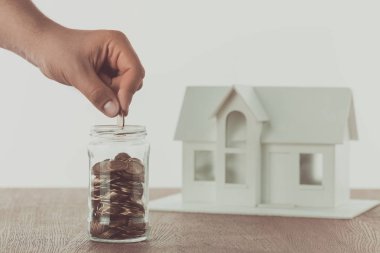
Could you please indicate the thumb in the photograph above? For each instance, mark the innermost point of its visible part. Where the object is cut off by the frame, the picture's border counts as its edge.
(98, 93)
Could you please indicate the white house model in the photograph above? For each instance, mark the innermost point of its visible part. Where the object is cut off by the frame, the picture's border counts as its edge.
(266, 150)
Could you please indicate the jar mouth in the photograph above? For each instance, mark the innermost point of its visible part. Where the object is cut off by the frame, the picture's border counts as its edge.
(116, 131)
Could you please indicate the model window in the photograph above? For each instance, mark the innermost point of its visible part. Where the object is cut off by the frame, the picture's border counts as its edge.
(204, 166)
(235, 169)
(236, 130)
(311, 169)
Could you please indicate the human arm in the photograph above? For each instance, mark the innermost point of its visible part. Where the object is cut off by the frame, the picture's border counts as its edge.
(101, 63)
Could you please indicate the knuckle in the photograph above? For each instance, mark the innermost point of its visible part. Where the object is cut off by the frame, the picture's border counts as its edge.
(140, 86)
(139, 72)
(117, 34)
(142, 72)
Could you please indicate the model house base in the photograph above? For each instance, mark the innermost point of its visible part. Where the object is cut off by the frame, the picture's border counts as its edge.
(348, 210)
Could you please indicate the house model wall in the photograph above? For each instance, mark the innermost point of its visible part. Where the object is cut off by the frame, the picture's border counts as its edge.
(266, 150)
(263, 145)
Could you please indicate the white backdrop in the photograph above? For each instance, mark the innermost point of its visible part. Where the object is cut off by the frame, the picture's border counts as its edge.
(44, 125)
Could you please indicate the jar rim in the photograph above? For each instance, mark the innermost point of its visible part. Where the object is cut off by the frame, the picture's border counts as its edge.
(116, 131)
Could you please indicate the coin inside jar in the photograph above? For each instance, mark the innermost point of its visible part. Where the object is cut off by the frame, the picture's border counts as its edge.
(116, 191)
(135, 166)
(122, 157)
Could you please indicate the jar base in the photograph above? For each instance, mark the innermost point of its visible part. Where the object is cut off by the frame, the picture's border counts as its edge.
(131, 240)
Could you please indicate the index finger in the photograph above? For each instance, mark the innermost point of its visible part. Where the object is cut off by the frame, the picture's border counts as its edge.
(124, 59)
(130, 82)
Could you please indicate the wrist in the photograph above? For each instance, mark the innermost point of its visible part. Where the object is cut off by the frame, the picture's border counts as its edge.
(39, 42)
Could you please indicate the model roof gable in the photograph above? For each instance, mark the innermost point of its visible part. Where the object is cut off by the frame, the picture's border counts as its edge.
(249, 97)
(292, 114)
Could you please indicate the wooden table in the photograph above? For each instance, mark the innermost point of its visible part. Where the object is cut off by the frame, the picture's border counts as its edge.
(54, 220)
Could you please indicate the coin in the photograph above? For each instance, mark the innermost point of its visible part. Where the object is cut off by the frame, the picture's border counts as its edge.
(109, 234)
(120, 120)
(130, 177)
(117, 165)
(135, 166)
(122, 157)
(101, 167)
(96, 228)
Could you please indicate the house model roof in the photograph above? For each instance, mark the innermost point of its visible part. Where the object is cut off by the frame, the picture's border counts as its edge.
(289, 114)
(249, 97)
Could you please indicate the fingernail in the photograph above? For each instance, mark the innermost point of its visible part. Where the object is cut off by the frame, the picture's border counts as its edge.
(110, 109)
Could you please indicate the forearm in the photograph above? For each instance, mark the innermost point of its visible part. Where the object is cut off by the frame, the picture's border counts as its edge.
(23, 27)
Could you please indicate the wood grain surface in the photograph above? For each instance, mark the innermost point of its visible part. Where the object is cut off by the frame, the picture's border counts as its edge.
(54, 220)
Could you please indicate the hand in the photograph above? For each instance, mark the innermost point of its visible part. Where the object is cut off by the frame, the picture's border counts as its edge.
(101, 64)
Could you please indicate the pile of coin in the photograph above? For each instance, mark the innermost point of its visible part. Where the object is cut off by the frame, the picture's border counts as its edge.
(116, 194)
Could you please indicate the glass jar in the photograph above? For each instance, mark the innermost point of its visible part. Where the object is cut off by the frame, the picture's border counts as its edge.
(118, 190)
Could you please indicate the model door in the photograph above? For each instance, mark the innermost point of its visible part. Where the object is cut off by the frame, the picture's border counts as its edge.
(282, 176)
